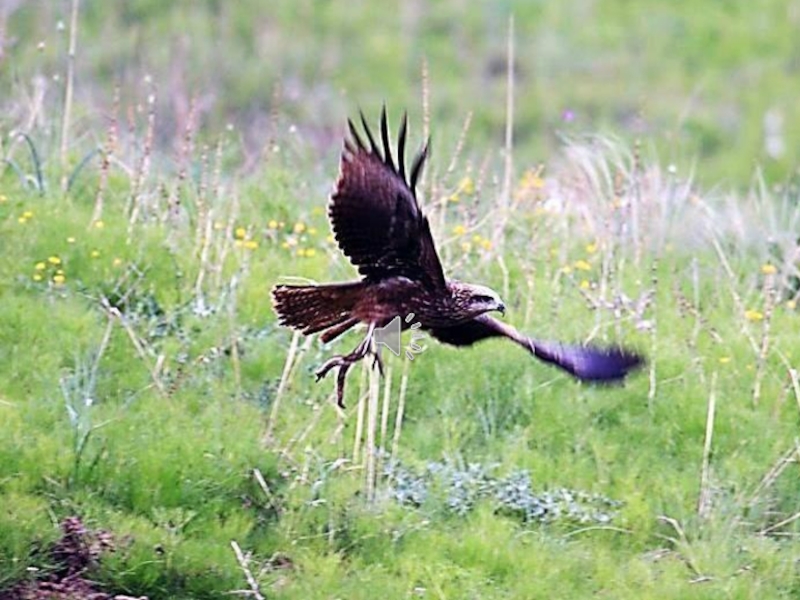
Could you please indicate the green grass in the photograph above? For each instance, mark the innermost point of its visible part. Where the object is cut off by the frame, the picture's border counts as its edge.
(165, 461)
(141, 365)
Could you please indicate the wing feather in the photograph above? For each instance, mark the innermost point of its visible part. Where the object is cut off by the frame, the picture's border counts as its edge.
(587, 363)
(374, 213)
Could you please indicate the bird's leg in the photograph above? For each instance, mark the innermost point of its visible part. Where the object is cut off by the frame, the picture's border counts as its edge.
(345, 361)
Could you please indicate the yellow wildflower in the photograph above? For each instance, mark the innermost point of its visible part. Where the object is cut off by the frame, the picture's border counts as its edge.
(591, 248)
(312, 231)
(22, 220)
(487, 244)
(37, 276)
(724, 359)
(753, 315)
(566, 269)
(459, 230)
(532, 179)
(453, 198)
(310, 252)
(117, 262)
(3, 198)
(466, 246)
(70, 240)
(99, 224)
(59, 278)
(299, 227)
(477, 238)
(40, 266)
(250, 244)
(95, 254)
(467, 185)
(54, 260)
(273, 224)
(330, 239)
(582, 265)
(768, 269)
(240, 233)
(285, 245)
(791, 304)
(584, 284)
(301, 252)
(219, 225)
(28, 214)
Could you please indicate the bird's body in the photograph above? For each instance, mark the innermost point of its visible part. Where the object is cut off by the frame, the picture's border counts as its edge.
(379, 226)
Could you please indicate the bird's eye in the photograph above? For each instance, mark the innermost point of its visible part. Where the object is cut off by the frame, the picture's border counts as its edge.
(484, 299)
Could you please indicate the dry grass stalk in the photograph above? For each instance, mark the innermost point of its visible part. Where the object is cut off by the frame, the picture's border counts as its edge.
(244, 564)
(360, 409)
(504, 200)
(143, 170)
(426, 108)
(792, 455)
(302, 435)
(704, 500)
(779, 524)
(794, 379)
(284, 381)
(769, 305)
(372, 425)
(108, 152)
(68, 91)
(737, 299)
(262, 483)
(401, 405)
(651, 392)
(445, 199)
(173, 213)
(138, 345)
(387, 400)
(225, 242)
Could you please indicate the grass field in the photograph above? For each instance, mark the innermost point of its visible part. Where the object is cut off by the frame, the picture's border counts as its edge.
(146, 389)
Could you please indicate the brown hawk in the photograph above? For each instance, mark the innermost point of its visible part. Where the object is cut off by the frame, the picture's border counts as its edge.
(379, 226)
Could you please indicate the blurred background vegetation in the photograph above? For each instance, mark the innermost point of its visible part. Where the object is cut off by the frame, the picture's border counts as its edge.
(141, 368)
(715, 82)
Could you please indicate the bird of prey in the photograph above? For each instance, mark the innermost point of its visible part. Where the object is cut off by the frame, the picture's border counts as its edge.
(378, 225)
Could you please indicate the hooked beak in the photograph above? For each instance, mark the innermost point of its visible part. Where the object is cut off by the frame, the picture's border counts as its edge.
(501, 308)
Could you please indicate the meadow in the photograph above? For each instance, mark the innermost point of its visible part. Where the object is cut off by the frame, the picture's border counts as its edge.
(158, 180)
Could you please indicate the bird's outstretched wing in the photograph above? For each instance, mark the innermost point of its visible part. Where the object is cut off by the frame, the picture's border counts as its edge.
(587, 363)
(374, 212)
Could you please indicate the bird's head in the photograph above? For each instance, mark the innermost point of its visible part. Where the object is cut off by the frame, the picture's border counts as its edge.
(474, 300)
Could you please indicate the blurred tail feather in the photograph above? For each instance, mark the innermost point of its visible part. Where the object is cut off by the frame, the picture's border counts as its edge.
(314, 308)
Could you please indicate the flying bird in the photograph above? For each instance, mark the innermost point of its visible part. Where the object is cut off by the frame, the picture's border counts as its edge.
(378, 224)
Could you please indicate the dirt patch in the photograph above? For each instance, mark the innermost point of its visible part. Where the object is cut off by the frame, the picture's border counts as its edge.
(70, 561)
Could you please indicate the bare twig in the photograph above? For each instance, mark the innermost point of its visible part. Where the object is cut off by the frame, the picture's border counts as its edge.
(244, 564)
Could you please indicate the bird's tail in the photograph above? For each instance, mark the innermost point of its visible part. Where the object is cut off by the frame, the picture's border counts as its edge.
(314, 308)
